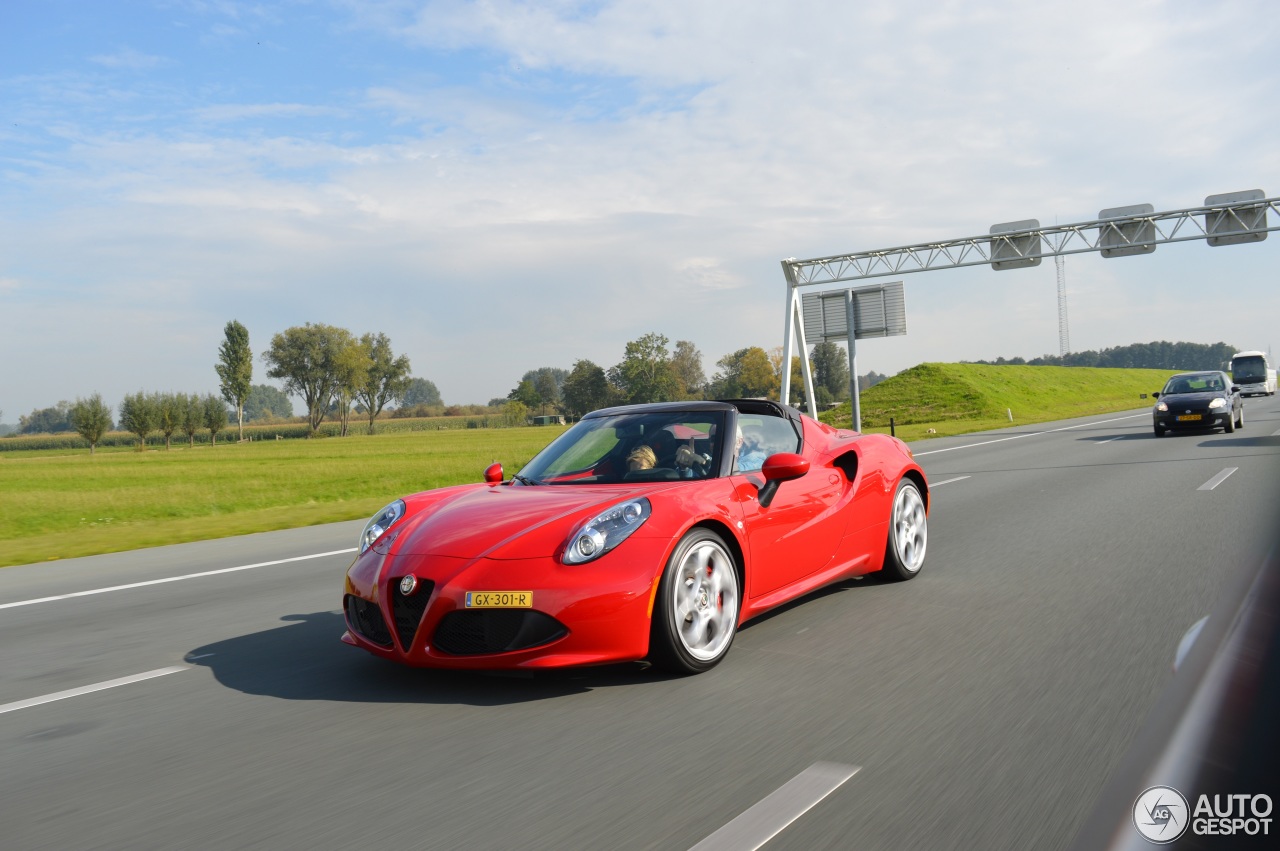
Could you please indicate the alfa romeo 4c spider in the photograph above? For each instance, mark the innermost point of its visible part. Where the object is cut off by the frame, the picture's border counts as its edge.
(645, 532)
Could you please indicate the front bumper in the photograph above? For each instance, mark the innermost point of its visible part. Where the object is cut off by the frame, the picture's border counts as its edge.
(1207, 420)
(588, 614)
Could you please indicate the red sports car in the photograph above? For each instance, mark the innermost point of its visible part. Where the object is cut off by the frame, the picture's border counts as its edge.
(642, 532)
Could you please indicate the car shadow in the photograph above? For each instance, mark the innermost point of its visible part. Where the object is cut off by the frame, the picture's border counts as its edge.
(304, 660)
(1236, 441)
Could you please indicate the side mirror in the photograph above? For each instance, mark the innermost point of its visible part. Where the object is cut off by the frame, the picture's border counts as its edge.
(1155, 395)
(493, 473)
(1235, 388)
(779, 468)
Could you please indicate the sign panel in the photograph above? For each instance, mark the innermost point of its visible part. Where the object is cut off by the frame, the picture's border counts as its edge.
(1234, 225)
(878, 311)
(1127, 238)
(1011, 252)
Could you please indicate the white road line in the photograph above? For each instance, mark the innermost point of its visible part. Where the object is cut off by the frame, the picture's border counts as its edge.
(1030, 434)
(771, 815)
(172, 579)
(1275, 434)
(1217, 480)
(76, 692)
(948, 481)
(1110, 440)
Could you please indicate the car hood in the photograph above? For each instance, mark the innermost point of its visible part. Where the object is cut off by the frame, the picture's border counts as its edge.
(503, 522)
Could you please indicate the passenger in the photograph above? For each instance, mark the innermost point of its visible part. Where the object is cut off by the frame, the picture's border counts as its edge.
(751, 455)
(641, 458)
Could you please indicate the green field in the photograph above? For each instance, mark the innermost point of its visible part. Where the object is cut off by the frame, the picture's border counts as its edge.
(62, 503)
(66, 504)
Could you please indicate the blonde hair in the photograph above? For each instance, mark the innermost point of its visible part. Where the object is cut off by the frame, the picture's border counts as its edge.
(641, 458)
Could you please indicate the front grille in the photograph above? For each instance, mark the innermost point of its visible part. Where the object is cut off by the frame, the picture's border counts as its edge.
(366, 618)
(495, 631)
(407, 611)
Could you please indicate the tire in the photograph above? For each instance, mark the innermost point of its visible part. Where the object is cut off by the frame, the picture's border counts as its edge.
(1230, 426)
(699, 598)
(908, 533)
(1240, 422)
(1159, 431)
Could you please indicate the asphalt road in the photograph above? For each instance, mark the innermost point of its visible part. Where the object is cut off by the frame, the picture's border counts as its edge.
(979, 706)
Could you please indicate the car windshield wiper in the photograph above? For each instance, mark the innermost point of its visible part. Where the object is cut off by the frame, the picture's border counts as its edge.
(525, 480)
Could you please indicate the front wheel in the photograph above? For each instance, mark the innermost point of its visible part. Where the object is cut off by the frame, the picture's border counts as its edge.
(696, 614)
(908, 533)
(1230, 426)
(1240, 422)
(1159, 431)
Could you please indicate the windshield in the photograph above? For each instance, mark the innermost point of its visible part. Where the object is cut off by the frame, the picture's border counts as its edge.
(639, 447)
(1209, 383)
(1249, 369)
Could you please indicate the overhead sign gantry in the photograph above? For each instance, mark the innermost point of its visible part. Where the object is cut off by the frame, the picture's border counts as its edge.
(1228, 219)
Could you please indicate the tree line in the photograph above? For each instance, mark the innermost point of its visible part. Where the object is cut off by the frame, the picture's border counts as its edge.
(1160, 354)
(652, 370)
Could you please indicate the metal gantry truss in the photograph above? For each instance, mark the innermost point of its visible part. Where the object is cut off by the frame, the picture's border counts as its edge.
(1240, 217)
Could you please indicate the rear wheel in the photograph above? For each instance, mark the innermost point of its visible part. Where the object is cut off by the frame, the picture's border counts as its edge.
(908, 533)
(696, 614)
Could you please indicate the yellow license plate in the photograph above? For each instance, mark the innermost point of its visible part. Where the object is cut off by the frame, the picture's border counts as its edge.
(499, 600)
(1186, 418)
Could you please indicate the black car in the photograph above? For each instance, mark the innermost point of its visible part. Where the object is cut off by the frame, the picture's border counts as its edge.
(1198, 400)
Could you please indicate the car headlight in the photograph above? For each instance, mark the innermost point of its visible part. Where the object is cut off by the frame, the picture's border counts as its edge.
(380, 523)
(606, 530)
(1218, 403)
(1162, 407)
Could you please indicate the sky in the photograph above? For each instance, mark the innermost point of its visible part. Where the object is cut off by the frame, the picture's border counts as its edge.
(501, 186)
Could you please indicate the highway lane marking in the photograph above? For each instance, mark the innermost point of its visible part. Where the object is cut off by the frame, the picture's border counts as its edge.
(1275, 433)
(948, 481)
(172, 579)
(773, 813)
(1110, 440)
(77, 692)
(1217, 480)
(1030, 434)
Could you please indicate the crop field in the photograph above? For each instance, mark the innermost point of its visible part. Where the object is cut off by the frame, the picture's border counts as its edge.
(69, 503)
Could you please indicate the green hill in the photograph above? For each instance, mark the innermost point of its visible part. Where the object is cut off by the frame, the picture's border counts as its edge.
(954, 398)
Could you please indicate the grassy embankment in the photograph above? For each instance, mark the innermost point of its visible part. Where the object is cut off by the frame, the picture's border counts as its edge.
(65, 503)
(960, 398)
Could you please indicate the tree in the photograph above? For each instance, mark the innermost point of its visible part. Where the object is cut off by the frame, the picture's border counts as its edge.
(138, 415)
(526, 394)
(746, 373)
(686, 363)
(586, 389)
(91, 418)
(831, 370)
(215, 417)
(168, 409)
(47, 420)
(309, 359)
(420, 391)
(351, 367)
(645, 374)
(514, 413)
(386, 376)
(192, 418)
(235, 369)
(546, 382)
(266, 402)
